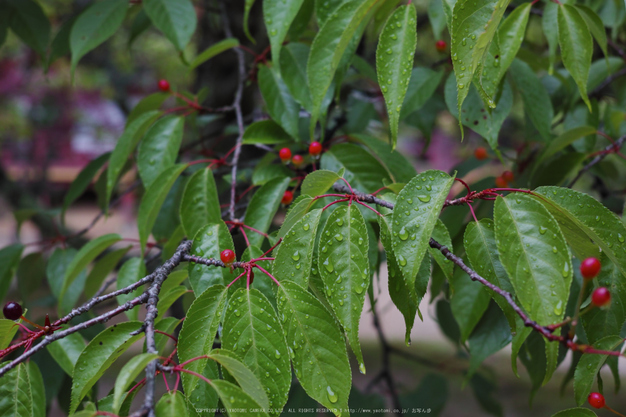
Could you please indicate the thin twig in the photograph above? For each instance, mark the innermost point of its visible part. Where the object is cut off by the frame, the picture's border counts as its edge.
(608, 150)
(241, 68)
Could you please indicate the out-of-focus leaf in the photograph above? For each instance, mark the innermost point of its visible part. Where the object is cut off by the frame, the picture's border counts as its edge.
(175, 18)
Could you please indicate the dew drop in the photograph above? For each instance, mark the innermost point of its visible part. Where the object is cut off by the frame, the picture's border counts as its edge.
(332, 397)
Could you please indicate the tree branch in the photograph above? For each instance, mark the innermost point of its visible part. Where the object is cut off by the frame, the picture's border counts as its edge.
(612, 148)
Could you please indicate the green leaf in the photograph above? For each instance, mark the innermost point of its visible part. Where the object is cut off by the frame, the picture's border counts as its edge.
(198, 333)
(318, 182)
(66, 351)
(159, 147)
(246, 16)
(324, 9)
(131, 271)
(316, 346)
(266, 132)
(209, 242)
(329, 46)
(535, 255)
(575, 412)
(394, 59)
(58, 264)
(125, 147)
(406, 301)
(252, 330)
(414, 217)
(436, 17)
(503, 50)
(28, 21)
(362, 170)
(474, 24)
(469, 301)
(263, 207)
(595, 25)
(537, 103)
(102, 269)
(590, 364)
(293, 64)
(94, 26)
(482, 252)
(9, 260)
(280, 104)
(431, 394)
(278, 15)
(475, 116)
(297, 210)
(200, 204)
(127, 375)
(237, 402)
(245, 378)
(98, 356)
(294, 256)
(140, 24)
(576, 47)
(153, 200)
(550, 30)
(85, 256)
(399, 167)
(586, 227)
(8, 328)
(566, 139)
(145, 105)
(490, 335)
(175, 18)
(422, 84)
(344, 268)
(22, 392)
(214, 50)
(171, 404)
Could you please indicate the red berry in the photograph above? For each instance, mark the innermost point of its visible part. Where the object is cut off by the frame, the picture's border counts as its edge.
(12, 310)
(164, 86)
(601, 297)
(501, 182)
(596, 400)
(441, 45)
(480, 153)
(297, 160)
(227, 256)
(284, 154)
(287, 198)
(590, 268)
(508, 176)
(315, 148)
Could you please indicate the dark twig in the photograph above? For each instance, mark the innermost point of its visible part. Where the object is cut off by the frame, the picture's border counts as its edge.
(608, 80)
(612, 148)
(241, 68)
(160, 275)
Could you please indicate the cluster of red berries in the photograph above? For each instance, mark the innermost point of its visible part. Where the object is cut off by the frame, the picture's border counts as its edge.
(12, 310)
(589, 269)
(503, 180)
(315, 149)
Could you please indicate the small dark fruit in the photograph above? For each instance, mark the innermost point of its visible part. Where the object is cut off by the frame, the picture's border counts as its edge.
(590, 268)
(287, 198)
(315, 148)
(285, 155)
(601, 297)
(164, 86)
(480, 153)
(441, 45)
(508, 176)
(501, 182)
(12, 310)
(596, 400)
(227, 256)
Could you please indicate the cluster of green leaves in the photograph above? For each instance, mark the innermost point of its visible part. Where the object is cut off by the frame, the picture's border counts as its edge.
(528, 244)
